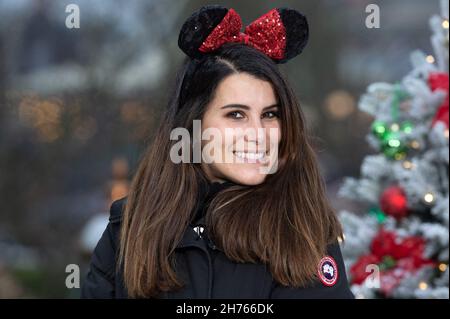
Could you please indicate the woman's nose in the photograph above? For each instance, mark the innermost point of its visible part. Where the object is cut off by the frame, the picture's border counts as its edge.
(255, 131)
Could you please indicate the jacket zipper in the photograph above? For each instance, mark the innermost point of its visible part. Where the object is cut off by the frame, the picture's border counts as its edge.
(213, 248)
(200, 231)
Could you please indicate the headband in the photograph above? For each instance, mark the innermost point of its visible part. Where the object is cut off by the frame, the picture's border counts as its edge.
(281, 33)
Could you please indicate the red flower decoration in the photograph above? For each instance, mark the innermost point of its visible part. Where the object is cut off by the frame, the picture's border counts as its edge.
(383, 244)
(439, 81)
(396, 258)
(358, 269)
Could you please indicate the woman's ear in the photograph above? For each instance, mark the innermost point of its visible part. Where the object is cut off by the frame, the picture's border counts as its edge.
(297, 32)
(197, 28)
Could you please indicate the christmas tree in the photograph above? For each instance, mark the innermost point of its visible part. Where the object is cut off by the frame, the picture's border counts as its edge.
(398, 247)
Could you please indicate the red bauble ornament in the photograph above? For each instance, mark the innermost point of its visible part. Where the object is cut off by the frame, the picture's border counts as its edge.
(393, 202)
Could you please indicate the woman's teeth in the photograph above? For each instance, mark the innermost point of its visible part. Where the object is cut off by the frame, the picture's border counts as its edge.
(249, 155)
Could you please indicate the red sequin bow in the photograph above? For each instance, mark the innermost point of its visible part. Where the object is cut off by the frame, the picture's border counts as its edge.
(266, 34)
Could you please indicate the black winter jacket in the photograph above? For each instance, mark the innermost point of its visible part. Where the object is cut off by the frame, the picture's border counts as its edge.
(205, 270)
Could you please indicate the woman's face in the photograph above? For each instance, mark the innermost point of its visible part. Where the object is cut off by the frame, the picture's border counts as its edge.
(244, 126)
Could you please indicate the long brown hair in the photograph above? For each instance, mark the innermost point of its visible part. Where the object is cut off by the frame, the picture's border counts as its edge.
(285, 222)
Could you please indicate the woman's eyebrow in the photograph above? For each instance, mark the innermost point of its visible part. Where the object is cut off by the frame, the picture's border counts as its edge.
(246, 107)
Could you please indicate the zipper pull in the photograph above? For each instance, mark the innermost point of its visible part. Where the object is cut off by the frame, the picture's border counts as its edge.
(199, 230)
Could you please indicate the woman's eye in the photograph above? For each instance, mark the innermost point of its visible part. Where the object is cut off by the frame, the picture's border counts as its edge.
(271, 114)
(235, 115)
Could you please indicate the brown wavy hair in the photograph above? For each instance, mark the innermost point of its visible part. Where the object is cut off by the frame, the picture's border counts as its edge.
(286, 222)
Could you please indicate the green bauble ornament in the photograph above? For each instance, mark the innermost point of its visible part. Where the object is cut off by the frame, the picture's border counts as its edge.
(393, 147)
(379, 129)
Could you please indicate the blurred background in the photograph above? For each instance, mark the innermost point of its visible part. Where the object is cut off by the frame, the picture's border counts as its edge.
(78, 106)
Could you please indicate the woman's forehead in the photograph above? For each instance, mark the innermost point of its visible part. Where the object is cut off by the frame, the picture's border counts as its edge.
(243, 88)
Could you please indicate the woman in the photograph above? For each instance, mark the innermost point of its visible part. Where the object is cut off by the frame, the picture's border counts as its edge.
(256, 226)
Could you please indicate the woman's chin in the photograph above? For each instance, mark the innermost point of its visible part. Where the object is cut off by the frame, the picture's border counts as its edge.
(249, 177)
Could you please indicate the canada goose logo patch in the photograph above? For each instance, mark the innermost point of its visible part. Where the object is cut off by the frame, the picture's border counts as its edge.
(328, 271)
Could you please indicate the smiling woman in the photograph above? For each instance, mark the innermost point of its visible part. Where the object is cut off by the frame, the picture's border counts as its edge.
(242, 103)
(236, 128)
(263, 235)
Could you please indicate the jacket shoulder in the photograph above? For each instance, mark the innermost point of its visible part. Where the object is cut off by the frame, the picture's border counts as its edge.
(116, 210)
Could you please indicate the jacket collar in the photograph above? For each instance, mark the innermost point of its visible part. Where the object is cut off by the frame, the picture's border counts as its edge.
(193, 233)
(190, 236)
(206, 193)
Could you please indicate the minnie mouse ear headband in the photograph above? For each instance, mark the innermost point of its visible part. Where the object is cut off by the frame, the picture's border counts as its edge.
(281, 33)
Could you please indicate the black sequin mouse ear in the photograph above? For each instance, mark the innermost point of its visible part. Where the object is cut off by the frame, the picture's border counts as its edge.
(297, 32)
(198, 27)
